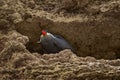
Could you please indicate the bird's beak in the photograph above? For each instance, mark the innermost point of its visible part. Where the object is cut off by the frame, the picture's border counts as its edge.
(38, 42)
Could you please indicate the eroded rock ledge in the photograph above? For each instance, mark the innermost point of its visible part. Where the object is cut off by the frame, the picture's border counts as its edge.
(18, 63)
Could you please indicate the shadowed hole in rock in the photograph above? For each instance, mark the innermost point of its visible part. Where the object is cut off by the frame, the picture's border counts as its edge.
(88, 39)
(31, 29)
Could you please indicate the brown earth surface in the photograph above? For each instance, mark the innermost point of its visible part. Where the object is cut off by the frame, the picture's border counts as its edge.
(91, 26)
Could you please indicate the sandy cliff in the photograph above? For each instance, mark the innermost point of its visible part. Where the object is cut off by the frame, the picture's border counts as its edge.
(91, 26)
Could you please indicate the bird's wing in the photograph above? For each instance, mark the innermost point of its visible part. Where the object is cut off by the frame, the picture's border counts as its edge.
(58, 36)
(63, 44)
(57, 46)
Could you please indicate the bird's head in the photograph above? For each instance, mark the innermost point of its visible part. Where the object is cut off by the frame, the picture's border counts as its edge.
(44, 33)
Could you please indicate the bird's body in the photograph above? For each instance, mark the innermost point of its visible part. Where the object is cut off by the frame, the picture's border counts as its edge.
(53, 43)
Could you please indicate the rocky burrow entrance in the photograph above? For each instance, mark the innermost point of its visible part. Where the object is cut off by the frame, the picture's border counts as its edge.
(92, 38)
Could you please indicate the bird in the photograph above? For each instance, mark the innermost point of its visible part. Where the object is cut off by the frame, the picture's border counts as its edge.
(52, 43)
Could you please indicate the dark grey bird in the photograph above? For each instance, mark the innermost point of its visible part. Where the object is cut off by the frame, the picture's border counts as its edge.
(52, 43)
